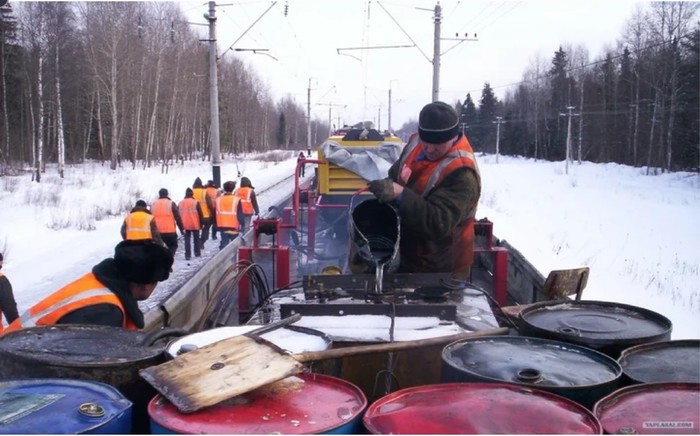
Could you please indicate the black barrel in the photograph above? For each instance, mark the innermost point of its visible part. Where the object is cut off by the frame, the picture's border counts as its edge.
(577, 373)
(666, 361)
(109, 355)
(604, 326)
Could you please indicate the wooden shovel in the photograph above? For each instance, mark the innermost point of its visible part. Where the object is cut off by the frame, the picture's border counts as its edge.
(234, 366)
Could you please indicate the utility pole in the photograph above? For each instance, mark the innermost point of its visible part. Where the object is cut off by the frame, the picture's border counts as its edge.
(568, 135)
(308, 119)
(498, 122)
(214, 95)
(437, 18)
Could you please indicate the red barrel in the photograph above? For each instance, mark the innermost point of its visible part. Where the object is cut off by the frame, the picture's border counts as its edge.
(304, 404)
(477, 408)
(652, 408)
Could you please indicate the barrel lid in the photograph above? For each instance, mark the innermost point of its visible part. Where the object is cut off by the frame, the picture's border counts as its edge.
(666, 361)
(88, 345)
(58, 406)
(303, 404)
(597, 322)
(477, 408)
(652, 408)
(531, 361)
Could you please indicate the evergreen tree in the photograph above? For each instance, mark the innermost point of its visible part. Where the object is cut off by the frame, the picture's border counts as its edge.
(468, 116)
(560, 99)
(486, 130)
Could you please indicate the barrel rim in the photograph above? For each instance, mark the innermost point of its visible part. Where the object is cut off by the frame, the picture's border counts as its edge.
(612, 398)
(656, 345)
(536, 307)
(599, 356)
(370, 412)
(45, 358)
(159, 419)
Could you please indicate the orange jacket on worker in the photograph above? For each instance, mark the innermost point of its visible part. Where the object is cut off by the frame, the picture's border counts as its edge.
(84, 292)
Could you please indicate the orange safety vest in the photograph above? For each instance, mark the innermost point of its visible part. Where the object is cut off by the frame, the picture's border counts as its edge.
(424, 175)
(227, 212)
(244, 194)
(162, 211)
(201, 196)
(138, 225)
(84, 292)
(212, 193)
(189, 215)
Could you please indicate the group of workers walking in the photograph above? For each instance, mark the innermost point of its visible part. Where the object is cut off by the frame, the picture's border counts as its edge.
(204, 209)
(435, 187)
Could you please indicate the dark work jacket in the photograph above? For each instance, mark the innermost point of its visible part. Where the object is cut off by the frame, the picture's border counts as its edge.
(8, 305)
(108, 314)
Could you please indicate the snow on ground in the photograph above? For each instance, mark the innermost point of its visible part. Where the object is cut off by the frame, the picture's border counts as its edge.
(639, 233)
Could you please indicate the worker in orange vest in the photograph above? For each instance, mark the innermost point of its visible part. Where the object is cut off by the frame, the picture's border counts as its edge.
(109, 294)
(249, 202)
(229, 212)
(167, 216)
(8, 305)
(139, 225)
(213, 193)
(200, 194)
(192, 218)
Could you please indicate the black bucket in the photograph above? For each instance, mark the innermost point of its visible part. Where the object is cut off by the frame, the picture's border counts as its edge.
(577, 373)
(374, 237)
(109, 355)
(666, 361)
(601, 325)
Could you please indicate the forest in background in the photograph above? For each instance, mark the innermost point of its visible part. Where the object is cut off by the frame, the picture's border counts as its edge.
(128, 82)
(637, 104)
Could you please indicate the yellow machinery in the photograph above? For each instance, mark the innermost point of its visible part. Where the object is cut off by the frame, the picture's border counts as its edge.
(334, 180)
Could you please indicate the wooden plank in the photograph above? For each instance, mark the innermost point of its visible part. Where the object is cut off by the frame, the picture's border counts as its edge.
(218, 371)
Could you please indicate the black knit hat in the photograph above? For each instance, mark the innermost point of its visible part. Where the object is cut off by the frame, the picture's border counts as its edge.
(438, 122)
(142, 261)
(163, 193)
(229, 186)
(140, 203)
(189, 192)
(197, 183)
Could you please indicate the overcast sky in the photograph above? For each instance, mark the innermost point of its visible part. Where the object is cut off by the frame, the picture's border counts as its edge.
(305, 44)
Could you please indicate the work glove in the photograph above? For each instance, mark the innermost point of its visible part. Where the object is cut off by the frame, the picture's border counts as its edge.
(383, 189)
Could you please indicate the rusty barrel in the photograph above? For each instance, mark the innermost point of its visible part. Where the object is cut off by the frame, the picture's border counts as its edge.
(477, 408)
(604, 326)
(304, 404)
(109, 355)
(572, 371)
(651, 408)
(665, 361)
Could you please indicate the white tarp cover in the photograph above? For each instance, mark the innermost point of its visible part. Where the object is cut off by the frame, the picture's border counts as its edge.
(370, 163)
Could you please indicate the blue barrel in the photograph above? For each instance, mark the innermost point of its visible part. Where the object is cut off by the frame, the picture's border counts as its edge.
(62, 406)
(304, 404)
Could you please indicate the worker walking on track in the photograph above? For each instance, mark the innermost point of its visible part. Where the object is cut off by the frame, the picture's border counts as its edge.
(139, 225)
(229, 213)
(213, 193)
(167, 216)
(192, 218)
(249, 202)
(200, 194)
